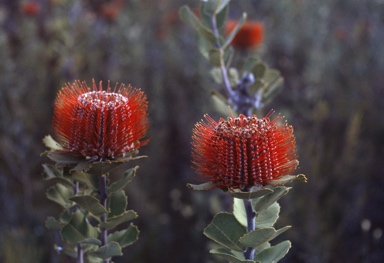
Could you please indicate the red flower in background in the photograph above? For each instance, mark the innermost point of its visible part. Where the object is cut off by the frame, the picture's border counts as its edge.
(100, 124)
(250, 35)
(111, 10)
(244, 151)
(30, 8)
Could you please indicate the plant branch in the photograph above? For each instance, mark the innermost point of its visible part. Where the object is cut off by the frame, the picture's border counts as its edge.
(223, 68)
(103, 202)
(80, 252)
(251, 224)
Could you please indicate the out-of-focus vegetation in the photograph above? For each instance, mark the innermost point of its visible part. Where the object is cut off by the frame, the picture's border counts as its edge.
(330, 53)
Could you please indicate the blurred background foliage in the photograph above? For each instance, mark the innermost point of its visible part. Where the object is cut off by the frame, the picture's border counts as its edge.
(330, 53)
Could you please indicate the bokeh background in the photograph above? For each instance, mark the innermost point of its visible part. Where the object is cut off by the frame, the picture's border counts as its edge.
(331, 54)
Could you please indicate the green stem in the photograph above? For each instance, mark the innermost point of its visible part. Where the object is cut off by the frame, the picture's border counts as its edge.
(103, 202)
(249, 253)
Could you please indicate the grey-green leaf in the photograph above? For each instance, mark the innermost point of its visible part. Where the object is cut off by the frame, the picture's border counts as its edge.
(274, 253)
(53, 224)
(90, 203)
(91, 241)
(125, 237)
(78, 229)
(112, 222)
(261, 236)
(268, 217)
(214, 7)
(189, 17)
(239, 211)
(226, 230)
(52, 172)
(254, 193)
(204, 186)
(108, 251)
(265, 201)
(49, 142)
(233, 33)
(117, 203)
(231, 256)
(289, 178)
(90, 180)
(126, 178)
(60, 194)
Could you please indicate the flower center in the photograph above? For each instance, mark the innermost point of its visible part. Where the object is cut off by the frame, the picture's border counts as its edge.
(102, 98)
(242, 127)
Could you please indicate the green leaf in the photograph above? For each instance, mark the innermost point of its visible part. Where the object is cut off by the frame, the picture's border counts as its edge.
(53, 224)
(78, 229)
(126, 178)
(125, 237)
(60, 194)
(90, 204)
(112, 222)
(265, 201)
(226, 230)
(268, 217)
(239, 211)
(90, 180)
(274, 253)
(231, 256)
(117, 203)
(261, 236)
(233, 33)
(108, 251)
(189, 17)
(254, 193)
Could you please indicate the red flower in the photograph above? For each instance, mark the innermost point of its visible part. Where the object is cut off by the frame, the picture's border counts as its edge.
(250, 35)
(244, 151)
(100, 124)
(111, 10)
(30, 8)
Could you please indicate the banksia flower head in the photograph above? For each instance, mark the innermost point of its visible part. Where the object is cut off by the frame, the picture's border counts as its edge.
(250, 35)
(100, 124)
(242, 152)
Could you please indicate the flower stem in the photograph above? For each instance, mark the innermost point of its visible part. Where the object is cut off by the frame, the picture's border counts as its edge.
(251, 224)
(103, 202)
(80, 252)
(223, 69)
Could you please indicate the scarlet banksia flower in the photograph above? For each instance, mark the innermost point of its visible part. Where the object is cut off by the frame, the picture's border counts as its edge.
(242, 152)
(100, 124)
(250, 35)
